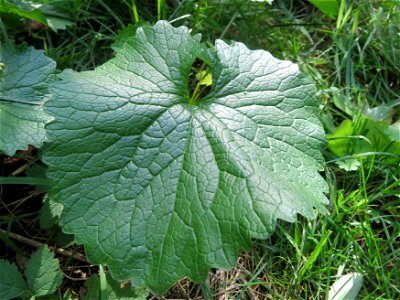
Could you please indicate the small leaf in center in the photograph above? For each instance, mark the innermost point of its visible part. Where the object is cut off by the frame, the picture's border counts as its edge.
(200, 81)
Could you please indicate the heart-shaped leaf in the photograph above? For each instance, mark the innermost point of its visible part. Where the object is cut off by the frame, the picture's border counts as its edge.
(159, 186)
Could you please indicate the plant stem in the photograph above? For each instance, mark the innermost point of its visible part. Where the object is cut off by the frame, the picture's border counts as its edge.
(135, 13)
(161, 11)
(110, 11)
(229, 25)
(36, 244)
(3, 32)
(196, 93)
(206, 291)
(194, 96)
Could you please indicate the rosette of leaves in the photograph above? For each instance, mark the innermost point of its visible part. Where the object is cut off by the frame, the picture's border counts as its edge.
(159, 182)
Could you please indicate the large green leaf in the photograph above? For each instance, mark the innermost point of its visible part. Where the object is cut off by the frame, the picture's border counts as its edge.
(157, 188)
(23, 86)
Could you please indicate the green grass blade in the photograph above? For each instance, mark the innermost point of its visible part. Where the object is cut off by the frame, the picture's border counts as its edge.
(25, 180)
(103, 283)
(314, 255)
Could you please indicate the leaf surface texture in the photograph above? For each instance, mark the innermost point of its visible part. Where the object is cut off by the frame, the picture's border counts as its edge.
(12, 284)
(42, 273)
(23, 87)
(157, 188)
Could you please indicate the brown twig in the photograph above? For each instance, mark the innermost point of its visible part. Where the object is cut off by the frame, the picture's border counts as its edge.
(20, 169)
(36, 244)
(74, 279)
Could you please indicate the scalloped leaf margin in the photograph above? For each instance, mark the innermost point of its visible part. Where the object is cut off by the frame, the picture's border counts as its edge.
(157, 188)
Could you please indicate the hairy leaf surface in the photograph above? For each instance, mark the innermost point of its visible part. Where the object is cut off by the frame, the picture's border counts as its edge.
(23, 86)
(158, 188)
